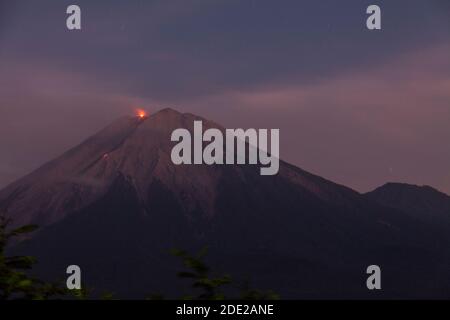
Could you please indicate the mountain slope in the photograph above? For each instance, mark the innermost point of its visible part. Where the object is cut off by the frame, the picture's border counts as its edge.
(116, 204)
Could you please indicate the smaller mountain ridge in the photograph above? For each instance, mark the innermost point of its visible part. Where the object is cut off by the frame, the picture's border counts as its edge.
(412, 198)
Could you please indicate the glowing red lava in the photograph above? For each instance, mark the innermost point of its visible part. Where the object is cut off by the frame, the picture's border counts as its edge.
(142, 114)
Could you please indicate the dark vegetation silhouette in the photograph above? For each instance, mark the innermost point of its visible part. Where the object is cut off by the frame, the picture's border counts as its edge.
(17, 284)
(209, 286)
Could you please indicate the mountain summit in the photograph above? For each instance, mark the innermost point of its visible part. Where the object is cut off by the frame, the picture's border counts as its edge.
(115, 205)
(137, 149)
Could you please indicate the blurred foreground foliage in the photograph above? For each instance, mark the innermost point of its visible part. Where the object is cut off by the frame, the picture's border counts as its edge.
(15, 283)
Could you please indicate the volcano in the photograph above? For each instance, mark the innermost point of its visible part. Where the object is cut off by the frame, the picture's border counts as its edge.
(116, 204)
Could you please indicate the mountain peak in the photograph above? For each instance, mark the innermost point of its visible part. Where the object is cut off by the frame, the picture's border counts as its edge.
(139, 149)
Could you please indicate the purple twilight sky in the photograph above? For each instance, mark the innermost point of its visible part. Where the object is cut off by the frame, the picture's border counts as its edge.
(355, 106)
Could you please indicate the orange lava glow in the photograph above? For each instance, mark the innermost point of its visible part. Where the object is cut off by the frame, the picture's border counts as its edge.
(142, 114)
